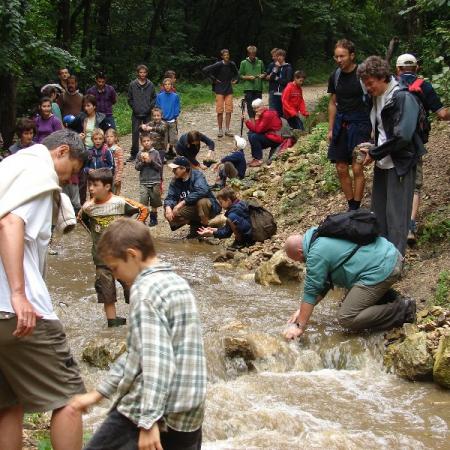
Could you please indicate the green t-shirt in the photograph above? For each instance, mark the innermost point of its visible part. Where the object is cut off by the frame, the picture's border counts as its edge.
(255, 68)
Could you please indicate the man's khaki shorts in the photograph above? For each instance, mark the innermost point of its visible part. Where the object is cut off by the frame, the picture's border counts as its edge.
(224, 102)
(37, 372)
(105, 286)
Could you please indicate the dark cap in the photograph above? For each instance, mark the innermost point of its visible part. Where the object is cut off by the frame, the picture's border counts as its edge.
(180, 161)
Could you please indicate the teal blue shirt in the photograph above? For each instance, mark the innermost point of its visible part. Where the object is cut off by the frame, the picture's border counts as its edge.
(370, 265)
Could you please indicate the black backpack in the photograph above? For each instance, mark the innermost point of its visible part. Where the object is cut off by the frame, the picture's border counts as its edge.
(359, 226)
(263, 223)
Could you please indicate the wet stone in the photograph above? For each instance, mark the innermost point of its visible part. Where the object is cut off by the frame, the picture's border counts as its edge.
(102, 352)
(441, 368)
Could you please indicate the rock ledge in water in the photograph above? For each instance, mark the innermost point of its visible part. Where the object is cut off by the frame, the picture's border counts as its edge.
(277, 269)
(441, 368)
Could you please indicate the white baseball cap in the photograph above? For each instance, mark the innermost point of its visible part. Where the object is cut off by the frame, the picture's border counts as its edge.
(406, 60)
(240, 142)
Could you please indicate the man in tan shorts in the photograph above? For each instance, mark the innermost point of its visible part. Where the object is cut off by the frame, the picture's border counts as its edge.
(37, 370)
(223, 75)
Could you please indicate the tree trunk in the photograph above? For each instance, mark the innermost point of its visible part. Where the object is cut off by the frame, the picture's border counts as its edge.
(8, 90)
(64, 29)
(102, 34)
(158, 9)
(392, 47)
(86, 41)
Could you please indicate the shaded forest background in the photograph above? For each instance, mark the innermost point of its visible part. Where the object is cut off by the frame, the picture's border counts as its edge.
(38, 36)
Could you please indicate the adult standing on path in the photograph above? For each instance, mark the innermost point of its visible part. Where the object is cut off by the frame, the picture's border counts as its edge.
(37, 370)
(407, 74)
(70, 101)
(223, 75)
(398, 147)
(106, 97)
(367, 273)
(348, 122)
(251, 71)
(141, 98)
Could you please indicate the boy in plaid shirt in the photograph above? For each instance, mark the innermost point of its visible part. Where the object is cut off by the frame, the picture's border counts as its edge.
(160, 381)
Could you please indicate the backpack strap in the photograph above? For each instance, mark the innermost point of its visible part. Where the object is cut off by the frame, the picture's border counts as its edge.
(416, 86)
(337, 74)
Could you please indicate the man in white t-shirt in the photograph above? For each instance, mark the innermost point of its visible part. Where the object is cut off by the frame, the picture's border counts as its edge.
(37, 370)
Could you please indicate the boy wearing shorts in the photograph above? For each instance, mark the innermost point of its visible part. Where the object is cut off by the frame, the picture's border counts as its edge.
(96, 215)
(160, 381)
(223, 75)
(149, 166)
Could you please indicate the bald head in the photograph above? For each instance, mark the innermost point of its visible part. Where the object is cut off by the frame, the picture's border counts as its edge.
(294, 247)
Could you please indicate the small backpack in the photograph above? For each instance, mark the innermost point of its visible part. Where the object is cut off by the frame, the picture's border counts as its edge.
(263, 223)
(423, 127)
(359, 226)
(103, 157)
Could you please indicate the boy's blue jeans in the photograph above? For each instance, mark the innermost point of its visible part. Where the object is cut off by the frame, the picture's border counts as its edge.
(119, 433)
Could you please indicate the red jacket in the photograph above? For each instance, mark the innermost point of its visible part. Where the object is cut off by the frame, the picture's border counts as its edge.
(292, 100)
(268, 124)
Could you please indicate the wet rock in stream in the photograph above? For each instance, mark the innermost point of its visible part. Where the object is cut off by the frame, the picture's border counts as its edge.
(277, 269)
(101, 352)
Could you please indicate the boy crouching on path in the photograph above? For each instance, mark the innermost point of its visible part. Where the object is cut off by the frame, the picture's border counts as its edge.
(161, 379)
(96, 215)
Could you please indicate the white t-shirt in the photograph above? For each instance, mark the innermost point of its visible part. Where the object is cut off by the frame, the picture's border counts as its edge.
(37, 216)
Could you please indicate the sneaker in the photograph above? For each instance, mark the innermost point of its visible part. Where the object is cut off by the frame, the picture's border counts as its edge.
(170, 155)
(410, 315)
(412, 238)
(255, 163)
(153, 219)
(131, 159)
(220, 133)
(193, 231)
(52, 251)
(229, 133)
(176, 226)
(117, 322)
(236, 245)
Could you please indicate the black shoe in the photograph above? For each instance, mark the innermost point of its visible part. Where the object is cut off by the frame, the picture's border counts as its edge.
(175, 226)
(117, 322)
(153, 219)
(389, 296)
(410, 315)
(193, 231)
(131, 159)
(237, 245)
(170, 155)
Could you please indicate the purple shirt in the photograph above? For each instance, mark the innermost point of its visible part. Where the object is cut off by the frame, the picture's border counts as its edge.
(45, 127)
(105, 99)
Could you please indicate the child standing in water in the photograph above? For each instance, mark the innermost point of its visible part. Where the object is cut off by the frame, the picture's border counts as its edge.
(112, 143)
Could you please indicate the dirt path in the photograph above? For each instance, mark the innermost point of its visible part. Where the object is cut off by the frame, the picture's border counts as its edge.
(202, 118)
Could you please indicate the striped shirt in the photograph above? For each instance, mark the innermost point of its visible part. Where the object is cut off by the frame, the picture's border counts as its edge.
(162, 375)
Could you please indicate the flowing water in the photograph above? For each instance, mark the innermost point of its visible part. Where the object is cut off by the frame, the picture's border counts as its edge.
(329, 391)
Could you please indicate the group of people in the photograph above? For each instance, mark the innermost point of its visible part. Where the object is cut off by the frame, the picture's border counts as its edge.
(161, 378)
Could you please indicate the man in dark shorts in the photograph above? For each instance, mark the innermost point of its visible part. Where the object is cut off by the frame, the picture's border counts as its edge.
(37, 370)
(349, 122)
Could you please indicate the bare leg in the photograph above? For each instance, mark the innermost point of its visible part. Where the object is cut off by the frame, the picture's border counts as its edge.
(220, 120)
(66, 429)
(227, 120)
(415, 206)
(359, 181)
(11, 420)
(110, 310)
(344, 179)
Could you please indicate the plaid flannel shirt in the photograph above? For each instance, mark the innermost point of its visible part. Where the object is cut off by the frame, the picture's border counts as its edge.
(163, 372)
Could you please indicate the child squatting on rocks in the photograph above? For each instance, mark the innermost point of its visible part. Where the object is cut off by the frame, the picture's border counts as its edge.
(161, 378)
(238, 220)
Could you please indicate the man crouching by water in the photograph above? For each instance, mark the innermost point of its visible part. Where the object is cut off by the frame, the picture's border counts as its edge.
(368, 275)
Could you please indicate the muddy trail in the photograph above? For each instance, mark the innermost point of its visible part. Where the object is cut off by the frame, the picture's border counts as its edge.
(328, 391)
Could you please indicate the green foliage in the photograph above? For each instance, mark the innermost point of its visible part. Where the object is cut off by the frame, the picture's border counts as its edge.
(122, 115)
(330, 181)
(442, 295)
(436, 227)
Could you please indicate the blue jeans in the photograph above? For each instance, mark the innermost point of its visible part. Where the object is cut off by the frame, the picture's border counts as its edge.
(258, 143)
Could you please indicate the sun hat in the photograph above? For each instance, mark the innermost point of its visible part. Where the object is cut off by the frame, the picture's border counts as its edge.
(406, 60)
(240, 142)
(179, 161)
